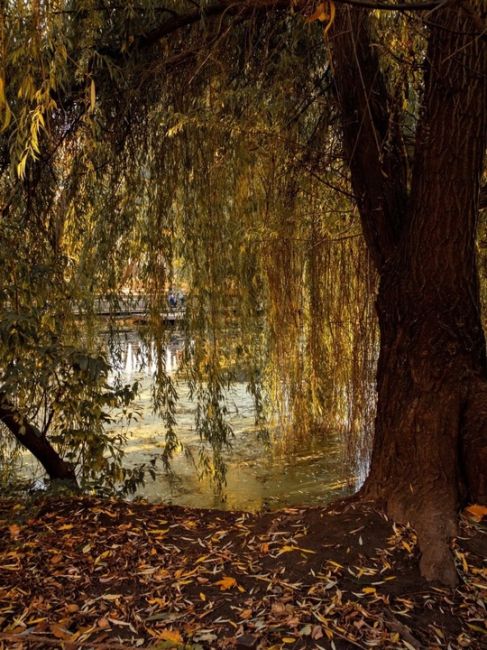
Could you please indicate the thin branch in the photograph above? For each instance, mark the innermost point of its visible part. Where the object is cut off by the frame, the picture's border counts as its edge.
(401, 6)
(229, 7)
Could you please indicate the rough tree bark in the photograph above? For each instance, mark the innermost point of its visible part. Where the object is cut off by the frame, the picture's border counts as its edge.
(32, 439)
(430, 448)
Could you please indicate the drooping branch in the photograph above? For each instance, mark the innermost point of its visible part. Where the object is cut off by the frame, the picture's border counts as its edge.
(228, 8)
(397, 6)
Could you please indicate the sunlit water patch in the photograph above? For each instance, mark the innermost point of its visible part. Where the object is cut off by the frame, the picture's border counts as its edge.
(261, 473)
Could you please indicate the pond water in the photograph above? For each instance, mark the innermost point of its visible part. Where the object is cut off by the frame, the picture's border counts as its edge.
(260, 475)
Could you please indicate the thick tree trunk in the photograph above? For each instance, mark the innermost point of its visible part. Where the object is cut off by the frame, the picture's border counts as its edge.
(32, 439)
(430, 446)
(431, 363)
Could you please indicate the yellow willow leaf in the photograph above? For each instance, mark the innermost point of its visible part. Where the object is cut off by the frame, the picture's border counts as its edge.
(287, 549)
(331, 17)
(171, 635)
(306, 550)
(408, 645)
(37, 620)
(336, 564)
(92, 95)
(226, 583)
(21, 167)
(111, 597)
(7, 118)
(158, 532)
(34, 142)
(368, 590)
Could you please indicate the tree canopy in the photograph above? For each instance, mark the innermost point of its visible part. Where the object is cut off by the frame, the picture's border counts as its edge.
(266, 154)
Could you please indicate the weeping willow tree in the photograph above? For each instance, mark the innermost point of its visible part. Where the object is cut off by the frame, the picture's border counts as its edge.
(294, 178)
(243, 198)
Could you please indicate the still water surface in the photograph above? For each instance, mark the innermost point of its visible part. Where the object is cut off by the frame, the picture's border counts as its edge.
(259, 476)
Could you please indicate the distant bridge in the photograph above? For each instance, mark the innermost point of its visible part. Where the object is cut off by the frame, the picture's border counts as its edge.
(128, 306)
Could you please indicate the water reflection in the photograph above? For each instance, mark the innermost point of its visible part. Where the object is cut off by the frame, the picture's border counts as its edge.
(259, 476)
(134, 357)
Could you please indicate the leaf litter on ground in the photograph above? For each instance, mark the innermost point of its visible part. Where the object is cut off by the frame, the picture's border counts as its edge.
(107, 574)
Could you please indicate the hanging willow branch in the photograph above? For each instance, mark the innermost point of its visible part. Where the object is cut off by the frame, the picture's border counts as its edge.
(201, 147)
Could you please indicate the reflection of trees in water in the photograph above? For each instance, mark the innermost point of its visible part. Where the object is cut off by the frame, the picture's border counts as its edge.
(135, 355)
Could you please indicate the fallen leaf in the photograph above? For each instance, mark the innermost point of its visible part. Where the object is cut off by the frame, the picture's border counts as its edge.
(286, 549)
(171, 635)
(59, 632)
(226, 583)
(14, 530)
(476, 511)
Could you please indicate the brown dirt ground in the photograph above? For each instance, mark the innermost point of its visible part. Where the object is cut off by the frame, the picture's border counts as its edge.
(107, 574)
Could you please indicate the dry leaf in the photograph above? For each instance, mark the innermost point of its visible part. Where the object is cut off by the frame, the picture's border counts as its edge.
(72, 607)
(226, 583)
(14, 530)
(59, 632)
(171, 635)
(476, 511)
